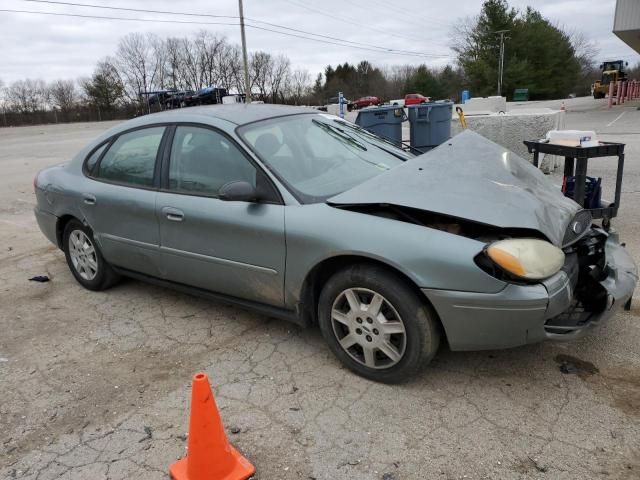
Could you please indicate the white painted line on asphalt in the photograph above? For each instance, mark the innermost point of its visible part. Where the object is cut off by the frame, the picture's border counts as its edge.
(616, 119)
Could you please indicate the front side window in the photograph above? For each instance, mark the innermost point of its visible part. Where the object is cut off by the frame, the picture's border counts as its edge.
(131, 159)
(318, 156)
(203, 160)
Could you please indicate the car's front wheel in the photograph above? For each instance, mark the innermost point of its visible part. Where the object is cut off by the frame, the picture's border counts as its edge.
(84, 258)
(376, 325)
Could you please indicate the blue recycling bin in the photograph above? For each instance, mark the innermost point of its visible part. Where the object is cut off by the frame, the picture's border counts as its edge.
(384, 121)
(429, 124)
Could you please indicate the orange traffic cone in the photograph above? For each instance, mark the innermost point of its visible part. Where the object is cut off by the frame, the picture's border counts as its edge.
(210, 456)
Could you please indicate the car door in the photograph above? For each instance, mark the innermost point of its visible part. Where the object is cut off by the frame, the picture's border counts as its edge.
(119, 199)
(230, 247)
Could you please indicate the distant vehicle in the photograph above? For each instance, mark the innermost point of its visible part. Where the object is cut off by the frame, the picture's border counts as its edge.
(235, 98)
(415, 99)
(208, 96)
(158, 97)
(178, 99)
(365, 102)
(612, 71)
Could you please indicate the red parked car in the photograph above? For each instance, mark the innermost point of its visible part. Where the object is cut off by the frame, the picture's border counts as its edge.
(415, 99)
(365, 102)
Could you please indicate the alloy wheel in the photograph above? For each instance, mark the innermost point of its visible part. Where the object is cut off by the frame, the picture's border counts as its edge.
(83, 255)
(368, 328)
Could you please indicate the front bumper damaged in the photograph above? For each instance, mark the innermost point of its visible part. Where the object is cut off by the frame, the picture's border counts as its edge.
(562, 307)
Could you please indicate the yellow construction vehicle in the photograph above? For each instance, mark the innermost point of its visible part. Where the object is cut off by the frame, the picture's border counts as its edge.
(612, 71)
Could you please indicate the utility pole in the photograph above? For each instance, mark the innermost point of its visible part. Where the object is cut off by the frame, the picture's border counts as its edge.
(247, 85)
(501, 64)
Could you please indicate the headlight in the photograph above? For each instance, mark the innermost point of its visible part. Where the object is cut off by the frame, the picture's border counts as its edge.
(529, 258)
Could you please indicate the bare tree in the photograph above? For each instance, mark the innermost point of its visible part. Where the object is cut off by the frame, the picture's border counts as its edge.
(236, 69)
(137, 64)
(28, 96)
(260, 65)
(464, 37)
(207, 47)
(173, 63)
(586, 52)
(159, 52)
(228, 62)
(278, 76)
(190, 64)
(63, 94)
(299, 86)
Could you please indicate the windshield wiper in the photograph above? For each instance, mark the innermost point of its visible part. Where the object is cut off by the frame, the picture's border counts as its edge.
(366, 133)
(340, 134)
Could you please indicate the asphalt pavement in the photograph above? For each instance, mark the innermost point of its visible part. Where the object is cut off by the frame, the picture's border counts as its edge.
(96, 385)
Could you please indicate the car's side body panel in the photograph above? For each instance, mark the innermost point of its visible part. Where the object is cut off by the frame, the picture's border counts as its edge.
(430, 258)
(124, 224)
(234, 248)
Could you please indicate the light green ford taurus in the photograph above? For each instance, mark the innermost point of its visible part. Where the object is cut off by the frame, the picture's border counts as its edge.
(307, 217)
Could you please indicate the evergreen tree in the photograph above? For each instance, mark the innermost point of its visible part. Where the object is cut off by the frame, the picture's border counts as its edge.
(538, 55)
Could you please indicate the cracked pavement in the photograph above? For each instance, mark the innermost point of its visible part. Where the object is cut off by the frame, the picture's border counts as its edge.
(96, 385)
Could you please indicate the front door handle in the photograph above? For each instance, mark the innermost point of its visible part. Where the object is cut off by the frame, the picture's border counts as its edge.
(173, 214)
(89, 199)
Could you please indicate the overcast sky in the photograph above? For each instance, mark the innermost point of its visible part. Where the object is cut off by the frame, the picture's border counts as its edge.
(52, 47)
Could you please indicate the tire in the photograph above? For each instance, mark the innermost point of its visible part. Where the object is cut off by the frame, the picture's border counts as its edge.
(414, 330)
(84, 258)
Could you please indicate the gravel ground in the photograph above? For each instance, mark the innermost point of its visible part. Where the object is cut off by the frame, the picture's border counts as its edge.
(96, 385)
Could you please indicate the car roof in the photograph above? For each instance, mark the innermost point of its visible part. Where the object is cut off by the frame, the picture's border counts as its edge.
(238, 113)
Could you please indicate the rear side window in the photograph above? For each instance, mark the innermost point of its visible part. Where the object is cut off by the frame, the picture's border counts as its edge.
(131, 159)
(93, 158)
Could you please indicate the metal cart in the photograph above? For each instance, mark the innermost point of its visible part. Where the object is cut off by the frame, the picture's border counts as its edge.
(575, 164)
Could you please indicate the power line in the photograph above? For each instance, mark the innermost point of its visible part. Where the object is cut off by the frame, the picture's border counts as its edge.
(148, 20)
(275, 25)
(351, 22)
(404, 13)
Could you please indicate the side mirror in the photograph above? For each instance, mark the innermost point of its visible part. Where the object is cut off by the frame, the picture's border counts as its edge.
(238, 191)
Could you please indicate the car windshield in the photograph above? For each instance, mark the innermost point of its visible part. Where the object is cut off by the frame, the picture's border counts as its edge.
(318, 156)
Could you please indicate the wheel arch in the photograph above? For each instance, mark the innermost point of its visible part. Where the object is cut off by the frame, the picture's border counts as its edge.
(323, 270)
(62, 222)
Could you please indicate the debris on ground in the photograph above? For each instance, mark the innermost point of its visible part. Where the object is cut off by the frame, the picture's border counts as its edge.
(540, 468)
(235, 430)
(148, 434)
(568, 368)
(570, 365)
(39, 278)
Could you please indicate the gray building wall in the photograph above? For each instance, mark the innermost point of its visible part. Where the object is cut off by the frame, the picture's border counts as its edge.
(626, 22)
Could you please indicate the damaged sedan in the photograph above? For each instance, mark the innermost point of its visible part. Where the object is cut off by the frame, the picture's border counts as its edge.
(307, 217)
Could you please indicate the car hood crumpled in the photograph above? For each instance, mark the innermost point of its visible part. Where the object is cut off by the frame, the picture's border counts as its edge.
(472, 178)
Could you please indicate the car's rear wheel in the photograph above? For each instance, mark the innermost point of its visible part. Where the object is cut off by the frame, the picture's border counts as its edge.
(376, 325)
(84, 258)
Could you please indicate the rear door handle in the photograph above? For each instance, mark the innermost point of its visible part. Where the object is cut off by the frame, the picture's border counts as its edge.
(173, 214)
(89, 199)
